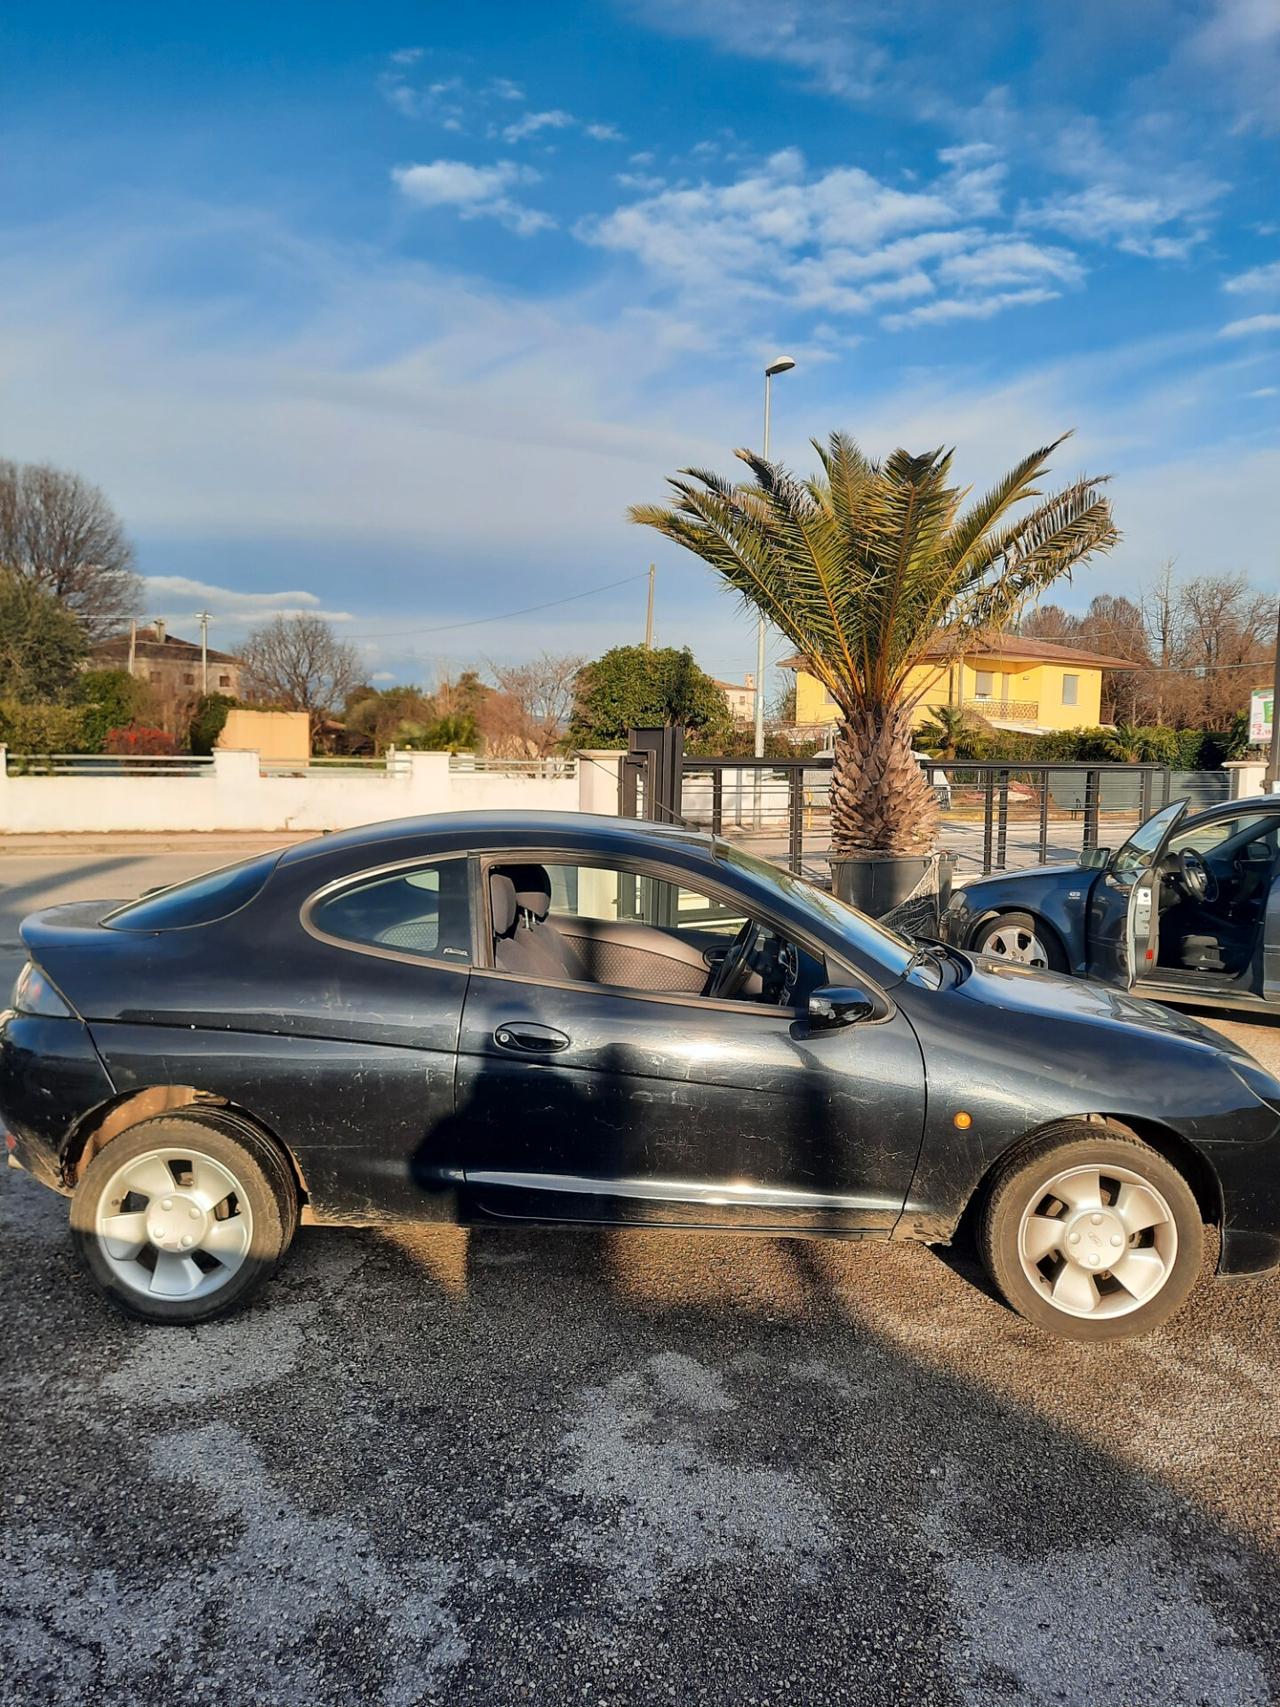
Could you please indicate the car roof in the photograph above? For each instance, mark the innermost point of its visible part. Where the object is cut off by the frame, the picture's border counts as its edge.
(1231, 808)
(452, 830)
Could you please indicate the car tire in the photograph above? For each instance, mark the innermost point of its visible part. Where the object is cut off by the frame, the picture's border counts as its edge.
(1091, 1234)
(179, 1218)
(1029, 943)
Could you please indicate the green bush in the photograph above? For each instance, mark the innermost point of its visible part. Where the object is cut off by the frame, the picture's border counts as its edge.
(208, 721)
(41, 729)
(109, 699)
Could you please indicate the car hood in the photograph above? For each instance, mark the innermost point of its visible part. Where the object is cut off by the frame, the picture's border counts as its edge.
(1022, 993)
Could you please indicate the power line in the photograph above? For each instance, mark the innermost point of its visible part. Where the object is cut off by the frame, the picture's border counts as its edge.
(505, 616)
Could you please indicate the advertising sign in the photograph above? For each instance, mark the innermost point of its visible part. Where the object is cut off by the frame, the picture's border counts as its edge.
(1260, 703)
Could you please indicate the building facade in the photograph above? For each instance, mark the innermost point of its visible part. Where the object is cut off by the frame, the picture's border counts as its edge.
(741, 697)
(173, 667)
(1031, 686)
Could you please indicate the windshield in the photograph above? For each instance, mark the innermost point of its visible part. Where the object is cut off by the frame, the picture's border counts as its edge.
(876, 941)
(1145, 842)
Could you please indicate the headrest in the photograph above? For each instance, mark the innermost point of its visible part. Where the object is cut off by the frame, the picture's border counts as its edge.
(533, 888)
(502, 900)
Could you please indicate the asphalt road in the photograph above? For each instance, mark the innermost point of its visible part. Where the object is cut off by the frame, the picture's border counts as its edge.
(522, 1466)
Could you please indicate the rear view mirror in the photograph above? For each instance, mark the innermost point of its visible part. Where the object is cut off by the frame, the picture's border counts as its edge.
(1093, 859)
(837, 1005)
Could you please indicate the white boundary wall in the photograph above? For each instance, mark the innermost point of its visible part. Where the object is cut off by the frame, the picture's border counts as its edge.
(233, 794)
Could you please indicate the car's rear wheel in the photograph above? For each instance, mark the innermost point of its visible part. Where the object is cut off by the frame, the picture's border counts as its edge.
(1092, 1234)
(181, 1216)
(1022, 939)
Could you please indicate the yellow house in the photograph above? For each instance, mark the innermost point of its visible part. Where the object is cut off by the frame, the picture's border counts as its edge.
(1034, 686)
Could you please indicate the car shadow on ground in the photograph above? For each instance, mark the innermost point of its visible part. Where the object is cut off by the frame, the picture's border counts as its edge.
(437, 1465)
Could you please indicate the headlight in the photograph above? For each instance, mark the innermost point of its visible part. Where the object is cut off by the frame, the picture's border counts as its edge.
(34, 994)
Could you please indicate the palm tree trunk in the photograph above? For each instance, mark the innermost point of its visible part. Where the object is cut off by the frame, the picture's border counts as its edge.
(881, 800)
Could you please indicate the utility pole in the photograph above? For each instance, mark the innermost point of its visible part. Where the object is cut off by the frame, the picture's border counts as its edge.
(133, 641)
(780, 364)
(1273, 763)
(204, 651)
(648, 621)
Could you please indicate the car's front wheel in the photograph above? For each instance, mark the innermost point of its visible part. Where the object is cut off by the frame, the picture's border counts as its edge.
(1092, 1234)
(1022, 939)
(181, 1216)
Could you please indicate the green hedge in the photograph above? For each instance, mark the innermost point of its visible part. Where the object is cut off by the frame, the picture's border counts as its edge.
(42, 728)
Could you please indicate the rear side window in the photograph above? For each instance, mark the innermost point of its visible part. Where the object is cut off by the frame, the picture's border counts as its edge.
(424, 911)
(200, 901)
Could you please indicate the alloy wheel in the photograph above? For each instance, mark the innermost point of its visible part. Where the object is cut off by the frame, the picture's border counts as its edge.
(174, 1224)
(1098, 1242)
(1016, 942)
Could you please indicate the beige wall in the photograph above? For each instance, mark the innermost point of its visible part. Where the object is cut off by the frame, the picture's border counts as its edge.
(278, 737)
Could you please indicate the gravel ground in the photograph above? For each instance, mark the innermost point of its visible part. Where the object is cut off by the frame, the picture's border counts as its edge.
(527, 1466)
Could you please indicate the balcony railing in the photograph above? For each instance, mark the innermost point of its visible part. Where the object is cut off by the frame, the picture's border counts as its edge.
(1007, 710)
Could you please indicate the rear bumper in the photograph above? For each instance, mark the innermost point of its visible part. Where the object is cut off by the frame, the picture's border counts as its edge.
(50, 1078)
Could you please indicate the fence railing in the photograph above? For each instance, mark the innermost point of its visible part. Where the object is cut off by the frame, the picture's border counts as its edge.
(556, 765)
(108, 764)
(990, 816)
(1010, 710)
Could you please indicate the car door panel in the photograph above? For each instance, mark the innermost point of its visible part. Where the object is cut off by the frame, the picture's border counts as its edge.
(674, 1110)
(1124, 903)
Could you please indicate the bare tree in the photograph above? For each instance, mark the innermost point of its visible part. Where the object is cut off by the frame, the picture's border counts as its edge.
(297, 662)
(540, 701)
(61, 533)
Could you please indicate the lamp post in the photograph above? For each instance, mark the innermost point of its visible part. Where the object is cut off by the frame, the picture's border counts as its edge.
(779, 364)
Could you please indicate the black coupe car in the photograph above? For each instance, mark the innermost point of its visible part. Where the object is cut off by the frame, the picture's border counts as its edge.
(529, 1017)
(1188, 910)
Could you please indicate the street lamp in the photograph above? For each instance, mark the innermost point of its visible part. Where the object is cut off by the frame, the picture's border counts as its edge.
(779, 364)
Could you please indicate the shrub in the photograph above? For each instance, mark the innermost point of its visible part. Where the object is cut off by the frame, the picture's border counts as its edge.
(139, 740)
(110, 699)
(41, 729)
(208, 721)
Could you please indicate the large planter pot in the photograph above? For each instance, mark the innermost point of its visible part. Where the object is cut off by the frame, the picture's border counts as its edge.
(880, 884)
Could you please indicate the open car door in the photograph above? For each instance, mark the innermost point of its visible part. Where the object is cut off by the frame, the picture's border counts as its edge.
(1124, 908)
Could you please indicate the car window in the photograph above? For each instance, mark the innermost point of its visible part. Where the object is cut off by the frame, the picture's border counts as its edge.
(425, 910)
(597, 892)
(200, 900)
(1205, 838)
(1145, 841)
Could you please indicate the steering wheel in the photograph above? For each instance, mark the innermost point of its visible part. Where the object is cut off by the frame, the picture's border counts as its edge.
(728, 978)
(1194, 877)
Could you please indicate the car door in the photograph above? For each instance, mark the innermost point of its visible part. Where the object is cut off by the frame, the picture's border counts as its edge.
(594, 1102)
(1124, 902)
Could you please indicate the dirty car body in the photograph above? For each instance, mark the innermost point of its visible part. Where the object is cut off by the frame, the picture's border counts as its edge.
(558, 1018)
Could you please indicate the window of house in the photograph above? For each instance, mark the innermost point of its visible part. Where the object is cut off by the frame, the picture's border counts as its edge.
(425, 910)
(224, 681)
(984, 683)
(1070, 690)
(188, 679)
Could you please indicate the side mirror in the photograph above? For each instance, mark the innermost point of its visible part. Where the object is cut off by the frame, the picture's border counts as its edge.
(1094, 859)
(837, 1005)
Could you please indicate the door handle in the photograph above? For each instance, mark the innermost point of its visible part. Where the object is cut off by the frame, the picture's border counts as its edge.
(528, 1039)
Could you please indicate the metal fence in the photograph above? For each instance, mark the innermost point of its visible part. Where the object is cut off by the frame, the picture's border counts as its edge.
(991, 817)
(107, 764)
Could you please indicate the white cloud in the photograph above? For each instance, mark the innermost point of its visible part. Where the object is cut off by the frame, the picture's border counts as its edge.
(1257, 279)
(181, 599)
(476, 191)
(839, 240)
(1254, 324)
(530, 124)
(505, 89)
(1266, 391)
(966, 308)
(604, 133)
(822, 39)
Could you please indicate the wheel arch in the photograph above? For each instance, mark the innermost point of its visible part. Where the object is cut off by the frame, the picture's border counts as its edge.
(1045, 923)
(1166, 1141)
(95, 1130)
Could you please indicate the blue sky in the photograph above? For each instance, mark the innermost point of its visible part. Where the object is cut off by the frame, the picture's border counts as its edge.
(389, 311)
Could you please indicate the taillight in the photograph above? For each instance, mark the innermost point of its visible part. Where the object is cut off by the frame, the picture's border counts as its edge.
(34, 994)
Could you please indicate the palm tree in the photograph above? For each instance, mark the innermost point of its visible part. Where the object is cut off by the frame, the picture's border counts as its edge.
(1126, 744)
(865, 568)
(953, 734)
